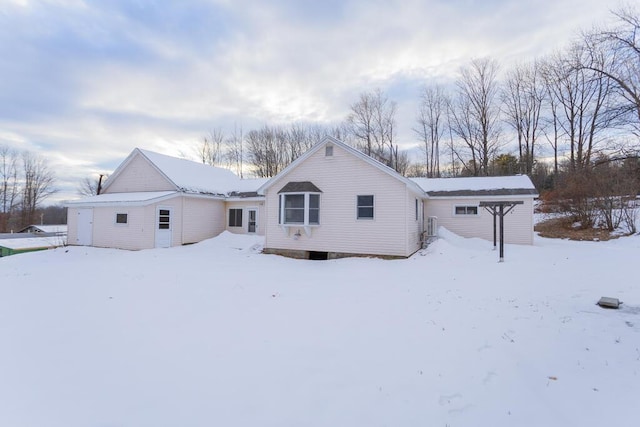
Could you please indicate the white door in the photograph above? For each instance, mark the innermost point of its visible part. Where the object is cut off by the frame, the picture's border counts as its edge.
(252, 223)
(163, 227)
(84, 221)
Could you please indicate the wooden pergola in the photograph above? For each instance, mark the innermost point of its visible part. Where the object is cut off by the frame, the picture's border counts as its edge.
(500, 209)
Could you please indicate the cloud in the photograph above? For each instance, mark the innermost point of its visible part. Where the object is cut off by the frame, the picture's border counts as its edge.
(87, 81)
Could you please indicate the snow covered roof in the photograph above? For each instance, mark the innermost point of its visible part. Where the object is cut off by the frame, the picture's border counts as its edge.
(194, 177)
(33, 242)
(130, 199)
(58, 228)
(477, 186)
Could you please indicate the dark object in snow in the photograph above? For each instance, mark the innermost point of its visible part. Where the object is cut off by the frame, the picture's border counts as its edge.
(606, 302)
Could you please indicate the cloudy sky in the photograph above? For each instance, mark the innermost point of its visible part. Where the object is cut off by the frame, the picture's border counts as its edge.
(83, 82)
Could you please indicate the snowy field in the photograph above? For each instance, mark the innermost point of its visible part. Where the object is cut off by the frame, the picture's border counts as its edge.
(217, 334)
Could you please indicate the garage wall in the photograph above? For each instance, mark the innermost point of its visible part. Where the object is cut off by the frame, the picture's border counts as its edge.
(518, 224)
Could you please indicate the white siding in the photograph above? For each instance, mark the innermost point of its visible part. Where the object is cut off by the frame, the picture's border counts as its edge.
(518, 224)
(414, 224)
(139, 175)
(202, 219)
(245, 206)
(342, 178)
(139, 232)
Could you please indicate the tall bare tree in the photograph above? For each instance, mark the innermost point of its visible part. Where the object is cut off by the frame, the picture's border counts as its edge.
(266, 151)
(614, 53)
(581, 97)
(522, 96)
(9, 186)
(474, 115)
(234, 151)
(431, 126)
(372, 124)
(38, 184)
(210, 151)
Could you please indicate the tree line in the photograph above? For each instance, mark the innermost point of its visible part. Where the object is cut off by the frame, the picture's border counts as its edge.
(25, 183)
(551, 116)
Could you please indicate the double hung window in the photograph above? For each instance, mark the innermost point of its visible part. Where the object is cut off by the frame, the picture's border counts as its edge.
(299, 209)
(365, 207)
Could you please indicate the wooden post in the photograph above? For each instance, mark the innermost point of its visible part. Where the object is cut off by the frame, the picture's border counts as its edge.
(501, 233)
(492, 207)
(494, 229)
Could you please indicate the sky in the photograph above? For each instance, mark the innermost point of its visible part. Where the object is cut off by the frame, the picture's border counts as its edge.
(85, 82)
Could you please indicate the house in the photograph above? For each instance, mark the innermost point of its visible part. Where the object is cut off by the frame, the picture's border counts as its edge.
(335, 201)
(332, 201)
(46, 230)
(152, 200)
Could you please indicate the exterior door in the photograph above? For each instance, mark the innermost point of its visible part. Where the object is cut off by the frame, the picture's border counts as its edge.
(85, 227)
(163, 227)
(252, 224)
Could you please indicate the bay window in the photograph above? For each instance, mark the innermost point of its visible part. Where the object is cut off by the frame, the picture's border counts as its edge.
(299, 209)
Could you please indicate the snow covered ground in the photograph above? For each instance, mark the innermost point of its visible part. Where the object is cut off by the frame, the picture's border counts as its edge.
(217, 334)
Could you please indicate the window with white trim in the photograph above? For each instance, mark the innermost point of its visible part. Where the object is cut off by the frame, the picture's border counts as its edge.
(466, 210)
(365, 207)
(299, 209)
(235, 217)
(122, 218)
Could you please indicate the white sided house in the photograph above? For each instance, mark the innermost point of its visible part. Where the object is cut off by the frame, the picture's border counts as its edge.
(152, 200)
(335, 201)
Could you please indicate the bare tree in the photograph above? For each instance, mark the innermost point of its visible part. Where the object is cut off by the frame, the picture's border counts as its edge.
(9, 186)
(38, 184)
(431, 126)
(581, 98)
(266, 150)
(614, 53)
(372, 124)
(522, 97)
(210, 150)
(91, 186)
(551, 129)
(474, 115)
(234, 151)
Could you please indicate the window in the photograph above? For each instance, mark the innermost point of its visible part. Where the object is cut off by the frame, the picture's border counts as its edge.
(300, 208)
(121, 218)
(314, 209)
(365, 207)
(294, 209)
(416, 209)
(235, 217)
(466, 210)
(328, 150)
(164, 219)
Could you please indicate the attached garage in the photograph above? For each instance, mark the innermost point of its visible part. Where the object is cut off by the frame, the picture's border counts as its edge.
(455, 202)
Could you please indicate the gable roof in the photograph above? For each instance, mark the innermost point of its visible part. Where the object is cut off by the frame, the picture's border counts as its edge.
(518, 185)
(331, 140)
(189, 176)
